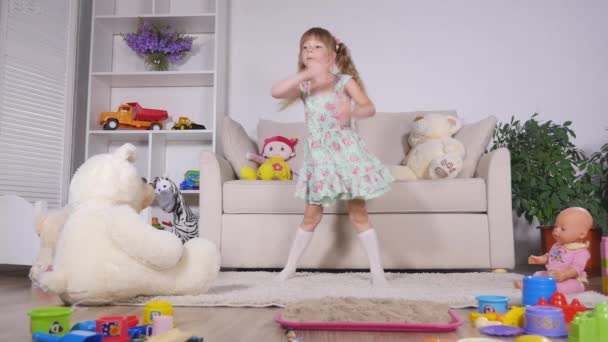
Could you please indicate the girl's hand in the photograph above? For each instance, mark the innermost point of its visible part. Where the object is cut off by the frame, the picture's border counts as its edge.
(344, 112)
(317, 70)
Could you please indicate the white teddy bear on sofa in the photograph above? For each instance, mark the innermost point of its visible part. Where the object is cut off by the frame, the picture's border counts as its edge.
(434, 153)
(106, 252)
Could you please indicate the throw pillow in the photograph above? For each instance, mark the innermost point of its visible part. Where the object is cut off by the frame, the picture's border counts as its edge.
(475, 137)
(236, 143)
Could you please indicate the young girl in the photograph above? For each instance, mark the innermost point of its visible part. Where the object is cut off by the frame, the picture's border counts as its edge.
(337, 163)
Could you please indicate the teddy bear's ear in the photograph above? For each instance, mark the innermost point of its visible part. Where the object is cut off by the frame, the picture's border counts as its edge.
(126, 152)
(455, 124)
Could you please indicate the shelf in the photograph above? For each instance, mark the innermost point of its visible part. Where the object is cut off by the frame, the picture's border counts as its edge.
(185, 135)
(169, 135)
(190, 192)
(156, 78)
(195, 23)
(117, 74)
(120, 135)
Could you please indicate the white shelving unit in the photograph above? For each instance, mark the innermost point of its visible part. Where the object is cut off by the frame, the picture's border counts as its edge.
(195, 87)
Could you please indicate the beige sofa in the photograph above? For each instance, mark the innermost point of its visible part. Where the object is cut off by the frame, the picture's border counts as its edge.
(461, 223)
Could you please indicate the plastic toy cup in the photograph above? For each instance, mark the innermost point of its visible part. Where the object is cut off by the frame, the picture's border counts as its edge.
(546, 321)
(51, 320)
(489, 304)
(153, 309)
(535, 287)
(161, 324)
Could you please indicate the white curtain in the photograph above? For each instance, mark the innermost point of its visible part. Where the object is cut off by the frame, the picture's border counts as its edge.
(37, 59)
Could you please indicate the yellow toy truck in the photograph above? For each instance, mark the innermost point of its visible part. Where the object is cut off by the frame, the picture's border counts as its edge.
(183, 122)
(131, 114)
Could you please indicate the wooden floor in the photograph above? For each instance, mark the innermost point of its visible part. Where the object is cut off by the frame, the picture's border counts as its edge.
(17, 297)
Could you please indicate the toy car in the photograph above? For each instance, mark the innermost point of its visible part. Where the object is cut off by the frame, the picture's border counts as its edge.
(185, 123)
(191, 180)
(133, 115)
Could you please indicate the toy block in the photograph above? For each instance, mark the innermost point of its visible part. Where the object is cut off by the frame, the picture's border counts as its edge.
(590, 326)
(115, 328)
(558, 300)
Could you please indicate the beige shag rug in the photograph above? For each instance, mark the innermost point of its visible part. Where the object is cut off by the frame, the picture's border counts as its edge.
(350, 309)
(260, 289)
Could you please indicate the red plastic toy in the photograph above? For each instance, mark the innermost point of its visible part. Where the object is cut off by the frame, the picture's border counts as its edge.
(558, 300)
(115, 328)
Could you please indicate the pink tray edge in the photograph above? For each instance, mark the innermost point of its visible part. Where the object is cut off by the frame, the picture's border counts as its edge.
(368, 326)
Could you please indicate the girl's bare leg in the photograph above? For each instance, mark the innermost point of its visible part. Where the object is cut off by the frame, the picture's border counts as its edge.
(312, 216)
(369, 239)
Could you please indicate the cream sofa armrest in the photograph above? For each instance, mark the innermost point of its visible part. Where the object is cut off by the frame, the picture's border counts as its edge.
(495, 169)
(214, 172)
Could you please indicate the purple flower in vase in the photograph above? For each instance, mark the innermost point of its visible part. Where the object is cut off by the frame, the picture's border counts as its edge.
(157, 44)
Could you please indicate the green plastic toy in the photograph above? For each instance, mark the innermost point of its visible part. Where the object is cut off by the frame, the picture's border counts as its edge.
(51, 320)
(590, 326)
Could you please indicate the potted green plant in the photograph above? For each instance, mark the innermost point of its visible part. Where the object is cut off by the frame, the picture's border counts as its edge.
(546, 175)
(600, 159)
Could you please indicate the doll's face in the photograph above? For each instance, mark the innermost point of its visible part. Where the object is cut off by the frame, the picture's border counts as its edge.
(572, 225)
(278, 149)
(314, 50)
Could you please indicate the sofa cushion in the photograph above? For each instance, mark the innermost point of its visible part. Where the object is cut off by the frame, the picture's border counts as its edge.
(235, 144)
(275, 197)
(269, 128)
(386, 134)
(475, 137)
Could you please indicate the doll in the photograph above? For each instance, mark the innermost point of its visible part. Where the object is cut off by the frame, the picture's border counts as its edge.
(567, 258)
(276, 161)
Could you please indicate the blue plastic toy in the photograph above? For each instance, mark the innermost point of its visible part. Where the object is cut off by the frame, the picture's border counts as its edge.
(535, 287)
(191, 180)
(490, 304)
(85, 326)
(545, 321)
(140, 331)
(73, 336)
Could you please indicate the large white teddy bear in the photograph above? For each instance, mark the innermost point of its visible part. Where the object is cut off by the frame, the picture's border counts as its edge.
(434, 154)
(106, 252)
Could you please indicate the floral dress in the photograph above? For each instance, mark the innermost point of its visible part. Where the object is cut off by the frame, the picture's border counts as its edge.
(337, 164)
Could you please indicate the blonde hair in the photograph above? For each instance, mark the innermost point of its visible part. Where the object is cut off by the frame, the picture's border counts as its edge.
(344, 61)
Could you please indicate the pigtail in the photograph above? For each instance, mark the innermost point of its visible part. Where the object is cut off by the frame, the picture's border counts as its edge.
(346, 65)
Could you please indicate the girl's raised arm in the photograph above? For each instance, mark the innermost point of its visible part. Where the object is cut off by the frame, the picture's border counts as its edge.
(364, 107)
(289, 88)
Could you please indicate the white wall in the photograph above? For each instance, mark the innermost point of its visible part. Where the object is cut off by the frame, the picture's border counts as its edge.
(507, 57)
(476, 56)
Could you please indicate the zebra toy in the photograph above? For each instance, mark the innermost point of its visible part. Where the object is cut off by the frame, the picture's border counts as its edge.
(171, 200)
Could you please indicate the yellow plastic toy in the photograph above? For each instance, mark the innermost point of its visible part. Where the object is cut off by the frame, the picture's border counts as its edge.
(493, 316)
(514, 317)
(532, 338)
(153, 309)
(273, 168)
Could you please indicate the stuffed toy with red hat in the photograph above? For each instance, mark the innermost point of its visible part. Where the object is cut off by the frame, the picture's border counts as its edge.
(274, 161)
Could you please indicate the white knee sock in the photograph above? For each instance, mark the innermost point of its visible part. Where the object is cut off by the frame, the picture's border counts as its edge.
(369, 240)
(299, 244)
